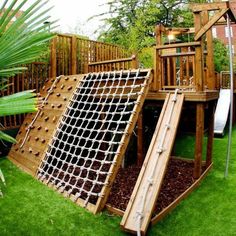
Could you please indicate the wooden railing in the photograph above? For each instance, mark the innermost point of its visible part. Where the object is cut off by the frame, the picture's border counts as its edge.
(175, 66)
(71, 54)
(113, 65)
(181, 65)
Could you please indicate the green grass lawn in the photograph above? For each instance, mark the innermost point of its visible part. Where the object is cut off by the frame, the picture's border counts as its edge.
(30, 208)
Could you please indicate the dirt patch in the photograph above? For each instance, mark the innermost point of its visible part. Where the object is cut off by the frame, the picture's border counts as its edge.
(178, 178)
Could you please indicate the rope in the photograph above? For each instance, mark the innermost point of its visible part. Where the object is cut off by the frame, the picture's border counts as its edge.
(88, 137)
(159, 151)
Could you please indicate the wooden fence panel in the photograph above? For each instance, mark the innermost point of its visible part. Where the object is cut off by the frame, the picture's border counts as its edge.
(69, 54)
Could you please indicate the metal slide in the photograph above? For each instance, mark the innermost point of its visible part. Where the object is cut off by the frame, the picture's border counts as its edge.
(139, 211)
(222, 111)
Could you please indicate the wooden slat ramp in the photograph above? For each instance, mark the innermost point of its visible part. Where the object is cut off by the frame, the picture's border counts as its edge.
(139, 211)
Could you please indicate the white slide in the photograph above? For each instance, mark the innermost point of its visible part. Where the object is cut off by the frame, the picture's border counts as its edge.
(222, 111)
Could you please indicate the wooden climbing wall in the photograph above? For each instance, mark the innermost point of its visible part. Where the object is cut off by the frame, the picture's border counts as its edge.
(77, 141)
(57, 94)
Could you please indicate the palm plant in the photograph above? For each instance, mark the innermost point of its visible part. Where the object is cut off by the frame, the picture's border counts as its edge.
(23, 39)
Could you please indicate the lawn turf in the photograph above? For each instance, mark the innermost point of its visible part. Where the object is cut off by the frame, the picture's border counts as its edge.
(31, 208)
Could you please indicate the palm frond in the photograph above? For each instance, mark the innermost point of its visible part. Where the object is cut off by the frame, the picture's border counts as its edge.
(18, 103)
(3, 180)
(25, 39)
(6, 137)
(2, 177)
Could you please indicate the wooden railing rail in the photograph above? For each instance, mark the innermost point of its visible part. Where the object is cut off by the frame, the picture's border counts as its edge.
(111, 65)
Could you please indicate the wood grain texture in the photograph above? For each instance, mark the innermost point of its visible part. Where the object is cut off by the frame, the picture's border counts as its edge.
(129, 221)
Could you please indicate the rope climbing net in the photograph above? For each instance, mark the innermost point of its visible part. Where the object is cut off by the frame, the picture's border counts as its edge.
(90, 135)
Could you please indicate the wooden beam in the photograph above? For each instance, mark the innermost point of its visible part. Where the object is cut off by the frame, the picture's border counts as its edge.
(140, 139)
(112, 61)
(210, 78)
(231, 13)
(210, 134)
(199, 65)
(209, 24)
(156, 80)
(198, 7)
(53, 58)
(74, 55)
(159, 30)
(199, 140)
(178, 45)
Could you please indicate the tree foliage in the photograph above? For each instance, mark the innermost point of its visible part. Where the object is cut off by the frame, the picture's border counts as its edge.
(221, 56)
(131, 23)
(127, 20)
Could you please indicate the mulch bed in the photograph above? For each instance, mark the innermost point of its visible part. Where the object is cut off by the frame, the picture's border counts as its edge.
(178, 178)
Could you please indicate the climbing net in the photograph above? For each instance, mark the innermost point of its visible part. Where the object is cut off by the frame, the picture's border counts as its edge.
(84, 147)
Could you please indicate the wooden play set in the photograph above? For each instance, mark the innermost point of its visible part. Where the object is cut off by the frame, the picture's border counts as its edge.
(77, 141)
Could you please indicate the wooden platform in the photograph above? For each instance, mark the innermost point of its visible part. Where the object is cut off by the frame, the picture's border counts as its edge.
(191, 96)
(143, 198)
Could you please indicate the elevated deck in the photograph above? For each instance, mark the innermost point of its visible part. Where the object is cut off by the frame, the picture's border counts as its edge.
(191, 96)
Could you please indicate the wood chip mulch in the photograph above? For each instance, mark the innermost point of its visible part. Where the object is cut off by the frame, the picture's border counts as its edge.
(178, 178)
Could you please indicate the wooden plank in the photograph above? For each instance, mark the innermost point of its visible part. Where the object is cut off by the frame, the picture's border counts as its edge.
(197, 7)
(209, 24)
(111, 61)
(154, 167)
(210, 80)
(140, 141)
(199, 140)
(178, 45)
(210, 138)
(53, 58)
(198, 70)
(73, 55)
(178, 54)
(191, 96)
(114, 210)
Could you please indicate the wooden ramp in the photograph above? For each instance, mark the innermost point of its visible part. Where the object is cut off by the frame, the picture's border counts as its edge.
(139, 211)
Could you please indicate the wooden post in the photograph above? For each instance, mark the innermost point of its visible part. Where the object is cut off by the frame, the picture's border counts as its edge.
(134, 63)
(199, 80)
(53, 58)
(210, 79)
(199, 140)
(73, 55)
(199, 63)
(210, 134)
(140, 146)
(157, 60)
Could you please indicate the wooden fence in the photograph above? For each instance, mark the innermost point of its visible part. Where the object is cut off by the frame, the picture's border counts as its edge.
(69, 55)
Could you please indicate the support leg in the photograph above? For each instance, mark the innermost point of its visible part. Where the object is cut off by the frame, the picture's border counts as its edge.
(140, 151)
(210, 134)
(199, 140)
